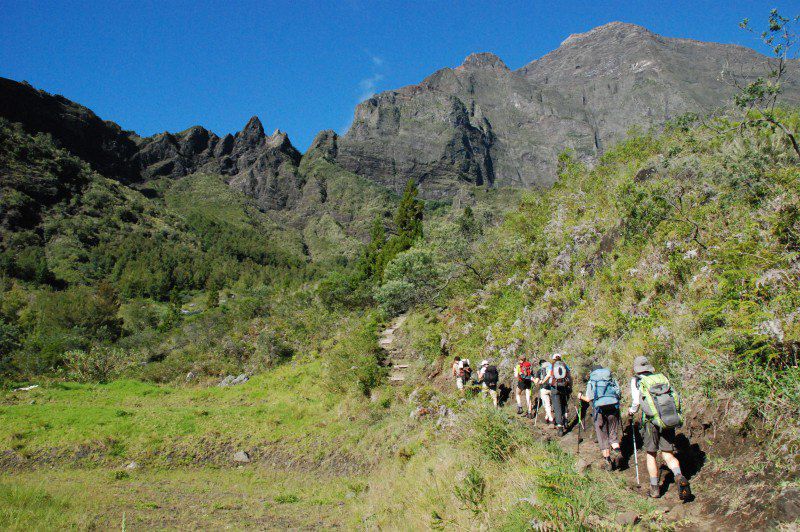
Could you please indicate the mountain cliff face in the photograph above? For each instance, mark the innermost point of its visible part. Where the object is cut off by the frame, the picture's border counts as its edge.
(482, 123)
(261, 166)
(478, 124)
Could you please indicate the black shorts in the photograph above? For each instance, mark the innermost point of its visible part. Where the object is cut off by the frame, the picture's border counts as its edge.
(524, 384)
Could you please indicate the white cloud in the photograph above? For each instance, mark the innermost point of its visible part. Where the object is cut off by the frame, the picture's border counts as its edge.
(368, 86)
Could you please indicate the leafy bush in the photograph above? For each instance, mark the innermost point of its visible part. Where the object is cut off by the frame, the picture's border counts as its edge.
(411, 278)
(353, 356)
(495, 434)
(99, 364)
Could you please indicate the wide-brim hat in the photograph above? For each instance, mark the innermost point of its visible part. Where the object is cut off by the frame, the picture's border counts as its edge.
(642, 365)
(485, 363)
(556, 356)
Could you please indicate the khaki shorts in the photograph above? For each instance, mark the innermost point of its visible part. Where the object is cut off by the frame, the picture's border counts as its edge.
(656, 439)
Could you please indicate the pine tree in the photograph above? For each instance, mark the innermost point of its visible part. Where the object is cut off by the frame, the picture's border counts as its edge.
(409, 213)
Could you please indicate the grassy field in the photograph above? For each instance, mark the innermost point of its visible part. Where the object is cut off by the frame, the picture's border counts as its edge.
(68, 446)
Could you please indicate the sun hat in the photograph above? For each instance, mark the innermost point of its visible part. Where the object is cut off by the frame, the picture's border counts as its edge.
(556, 356)
(642, 365)
(485, 363)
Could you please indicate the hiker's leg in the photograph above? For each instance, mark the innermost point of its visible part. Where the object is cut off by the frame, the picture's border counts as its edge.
(493, 394)
(613, 423)
(601, 431)
(666, 445)
(652, 465)
(650, 439)
(558, 406)
(517, 396)
(528, 399)
(544, 395)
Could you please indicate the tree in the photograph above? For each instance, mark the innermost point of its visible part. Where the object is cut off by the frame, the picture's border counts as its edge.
(758, 98)
(409, 213)
(411, 278)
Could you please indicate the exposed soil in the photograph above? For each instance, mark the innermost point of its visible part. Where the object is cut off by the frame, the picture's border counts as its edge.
(723, 499)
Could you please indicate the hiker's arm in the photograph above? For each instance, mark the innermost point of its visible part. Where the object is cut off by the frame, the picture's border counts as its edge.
(635, 397)
(589, 393)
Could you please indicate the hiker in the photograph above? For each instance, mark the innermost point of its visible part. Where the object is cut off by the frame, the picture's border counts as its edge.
(544, 389)
(523, 372)
(488, 377)
(661, 415)
(603, 393)
(560, 380)
(458, 374)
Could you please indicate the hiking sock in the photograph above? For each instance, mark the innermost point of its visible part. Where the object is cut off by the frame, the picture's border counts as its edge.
(677, 472)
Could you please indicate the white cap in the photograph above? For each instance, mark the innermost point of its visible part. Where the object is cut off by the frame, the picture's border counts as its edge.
(556, 356)
(485, 363)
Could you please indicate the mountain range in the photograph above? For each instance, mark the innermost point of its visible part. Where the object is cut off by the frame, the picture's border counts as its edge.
(479, 124)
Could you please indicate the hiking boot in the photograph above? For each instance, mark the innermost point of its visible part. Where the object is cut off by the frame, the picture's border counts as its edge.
(616, 458)
(655, 492)
(607, 465)
(560, 430)
(519, 410)
(684, 491)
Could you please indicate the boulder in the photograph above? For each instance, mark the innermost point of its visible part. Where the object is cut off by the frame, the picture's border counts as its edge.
(627, 519)
(230, 380)
(132, 466)
(241, 457)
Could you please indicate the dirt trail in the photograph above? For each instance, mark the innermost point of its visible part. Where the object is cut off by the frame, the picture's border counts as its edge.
(689, 516)
(395, 357)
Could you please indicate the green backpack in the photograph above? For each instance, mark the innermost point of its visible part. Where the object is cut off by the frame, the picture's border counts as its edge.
(660, 401)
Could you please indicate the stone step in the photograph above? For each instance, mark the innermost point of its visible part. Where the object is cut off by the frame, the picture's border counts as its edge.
(400, 366)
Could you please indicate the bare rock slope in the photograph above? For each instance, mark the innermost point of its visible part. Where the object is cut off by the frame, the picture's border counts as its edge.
(485, 124)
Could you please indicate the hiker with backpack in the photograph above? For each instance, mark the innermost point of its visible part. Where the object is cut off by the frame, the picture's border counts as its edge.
(560, 380)
(461, 372)
(603, 393)
(544, 389)
(488, 376)
(661, 415)
(523, 371)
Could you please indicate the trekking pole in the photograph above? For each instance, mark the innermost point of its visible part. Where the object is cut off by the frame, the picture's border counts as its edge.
(635, 454)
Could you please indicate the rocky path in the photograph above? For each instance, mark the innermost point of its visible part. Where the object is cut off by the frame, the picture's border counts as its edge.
(395, 358)
(688, 516)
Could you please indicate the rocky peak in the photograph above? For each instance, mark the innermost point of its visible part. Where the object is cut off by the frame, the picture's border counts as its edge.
(324, 145)
(253, 133)
(483, 60)
(612, 30)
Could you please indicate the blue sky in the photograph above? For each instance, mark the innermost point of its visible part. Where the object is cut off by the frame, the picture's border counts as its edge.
(301, 66)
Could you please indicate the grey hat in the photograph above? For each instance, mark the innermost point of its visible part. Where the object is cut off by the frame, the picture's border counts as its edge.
(642, 365)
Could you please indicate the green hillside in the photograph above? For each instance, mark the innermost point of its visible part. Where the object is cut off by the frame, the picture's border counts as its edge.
(681, 246)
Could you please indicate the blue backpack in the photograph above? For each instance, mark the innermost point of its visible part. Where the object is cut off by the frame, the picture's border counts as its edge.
(606, 389)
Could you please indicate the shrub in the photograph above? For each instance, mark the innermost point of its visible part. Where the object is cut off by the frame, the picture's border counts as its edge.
(99, 364)
(495, 435)
(411, 278)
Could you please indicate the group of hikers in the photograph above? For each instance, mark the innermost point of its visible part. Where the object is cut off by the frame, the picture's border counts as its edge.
(650, 391)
